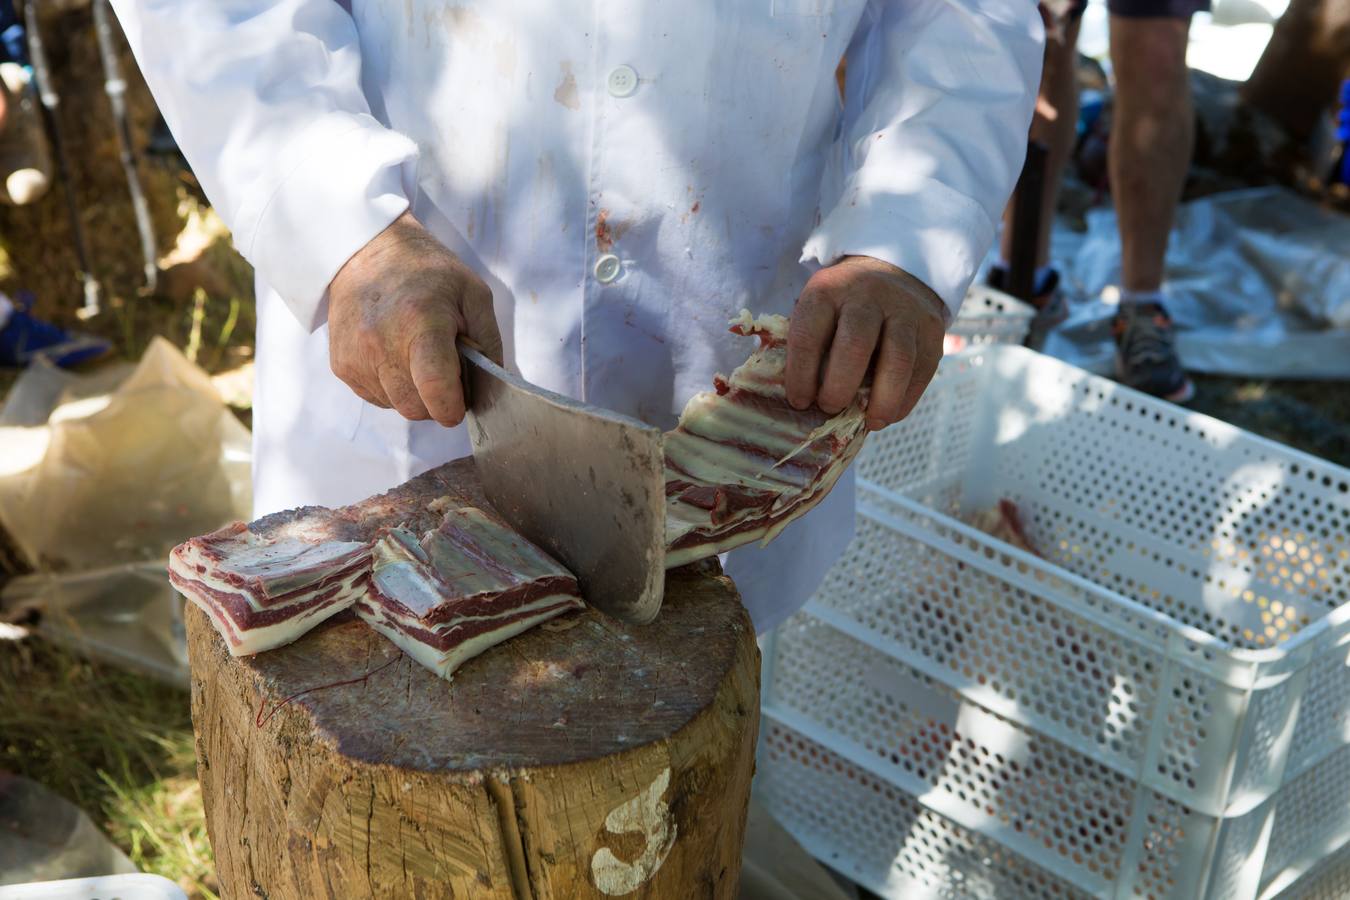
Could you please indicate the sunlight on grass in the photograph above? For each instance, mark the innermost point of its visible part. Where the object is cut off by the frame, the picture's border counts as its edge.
(116, 744)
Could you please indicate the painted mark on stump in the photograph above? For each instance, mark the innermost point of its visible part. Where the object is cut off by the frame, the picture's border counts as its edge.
(645, 814)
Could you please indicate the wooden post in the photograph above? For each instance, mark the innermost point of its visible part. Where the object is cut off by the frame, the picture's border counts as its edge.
(585, 758)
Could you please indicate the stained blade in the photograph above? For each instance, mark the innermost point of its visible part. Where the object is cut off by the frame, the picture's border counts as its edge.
(585, 484)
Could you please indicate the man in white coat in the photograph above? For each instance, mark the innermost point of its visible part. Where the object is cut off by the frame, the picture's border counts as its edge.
(590, 190)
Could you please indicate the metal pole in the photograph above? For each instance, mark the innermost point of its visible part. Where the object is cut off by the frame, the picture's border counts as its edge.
(116, 89)
(51, 101)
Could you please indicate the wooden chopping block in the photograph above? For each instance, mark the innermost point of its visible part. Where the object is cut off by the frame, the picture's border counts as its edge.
(584, 758)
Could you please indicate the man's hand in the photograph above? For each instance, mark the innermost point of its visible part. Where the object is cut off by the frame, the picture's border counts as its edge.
(394, 312)
(861, 313)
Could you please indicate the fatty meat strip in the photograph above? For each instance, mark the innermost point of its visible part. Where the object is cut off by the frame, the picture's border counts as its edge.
(262, 593)
(743, 463)
(462, 588)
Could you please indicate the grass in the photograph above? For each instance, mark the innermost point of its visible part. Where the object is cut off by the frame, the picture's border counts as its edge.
(116, 744)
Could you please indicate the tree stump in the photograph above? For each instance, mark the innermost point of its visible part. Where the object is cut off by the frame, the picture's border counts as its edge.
(584, 758)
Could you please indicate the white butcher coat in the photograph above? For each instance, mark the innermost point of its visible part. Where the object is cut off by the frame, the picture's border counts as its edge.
(624, 175)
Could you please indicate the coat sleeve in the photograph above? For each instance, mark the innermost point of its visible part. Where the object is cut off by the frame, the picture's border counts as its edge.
(938, 101)
(264, 98)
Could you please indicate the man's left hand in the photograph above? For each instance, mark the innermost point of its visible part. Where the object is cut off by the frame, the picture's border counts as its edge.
(860, 313)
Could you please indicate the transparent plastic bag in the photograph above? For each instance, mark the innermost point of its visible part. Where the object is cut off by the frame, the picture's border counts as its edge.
(100, 476)
(120, 475)
(127, 615)
(45, 837)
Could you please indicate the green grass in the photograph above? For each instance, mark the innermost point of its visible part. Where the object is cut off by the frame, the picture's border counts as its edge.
(116, 744)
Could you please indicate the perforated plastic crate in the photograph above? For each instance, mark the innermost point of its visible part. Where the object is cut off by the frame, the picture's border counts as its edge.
(1186, 631)
(1049, 808)
(1188, 625)
(990, 317)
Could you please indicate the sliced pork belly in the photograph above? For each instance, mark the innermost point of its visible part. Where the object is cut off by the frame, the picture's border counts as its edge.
(464, 587)
(742, 463)
(261, 592)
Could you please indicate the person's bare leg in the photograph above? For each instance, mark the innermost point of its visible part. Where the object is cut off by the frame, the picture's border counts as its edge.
(1152, 129)
(1054, 125)
(1152, 132)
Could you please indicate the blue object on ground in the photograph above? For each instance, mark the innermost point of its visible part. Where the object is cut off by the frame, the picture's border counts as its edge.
(25, 337)
(1343, 131)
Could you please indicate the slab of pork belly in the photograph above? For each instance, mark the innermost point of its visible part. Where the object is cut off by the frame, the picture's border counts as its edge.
(264, 592)
(461, 588)
(743, 464)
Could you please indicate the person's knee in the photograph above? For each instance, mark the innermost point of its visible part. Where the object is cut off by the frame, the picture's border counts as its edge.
(1149, 58)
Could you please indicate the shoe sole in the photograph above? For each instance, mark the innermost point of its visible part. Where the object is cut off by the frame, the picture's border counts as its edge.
(1183, 394)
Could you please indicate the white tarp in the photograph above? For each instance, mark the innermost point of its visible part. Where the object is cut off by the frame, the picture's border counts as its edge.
(1258, 282)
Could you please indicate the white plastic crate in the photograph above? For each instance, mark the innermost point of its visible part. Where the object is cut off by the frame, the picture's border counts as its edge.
(988, 316)
(1048, 808)
(1189, 625)
(106, 887)
(1186, 635)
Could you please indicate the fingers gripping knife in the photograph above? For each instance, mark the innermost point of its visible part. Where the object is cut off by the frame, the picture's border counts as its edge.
(586, 484)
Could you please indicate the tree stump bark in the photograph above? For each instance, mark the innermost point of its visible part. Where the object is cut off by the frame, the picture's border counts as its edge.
(585, 758)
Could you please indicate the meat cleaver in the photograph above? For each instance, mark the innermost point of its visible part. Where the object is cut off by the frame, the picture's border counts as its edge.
(584, 483)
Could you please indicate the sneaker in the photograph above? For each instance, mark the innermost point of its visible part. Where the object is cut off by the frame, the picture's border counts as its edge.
(25, 338)
(1146, 356)
(1051, 307)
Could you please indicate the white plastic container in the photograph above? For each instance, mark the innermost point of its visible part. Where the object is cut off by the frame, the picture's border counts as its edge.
(106, 887)
(1059, 811)
(1186, 631)
(989, 316)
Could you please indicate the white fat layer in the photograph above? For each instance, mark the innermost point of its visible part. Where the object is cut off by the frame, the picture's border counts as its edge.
(316, 566)
(683, 518)
(183, 568)
(774, 325)
(713, 417)
(696, 459)
(255, 640)
(445, 663)
(443, 627)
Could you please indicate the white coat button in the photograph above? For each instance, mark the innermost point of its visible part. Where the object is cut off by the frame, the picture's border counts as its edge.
(623, 81)
(607, 268)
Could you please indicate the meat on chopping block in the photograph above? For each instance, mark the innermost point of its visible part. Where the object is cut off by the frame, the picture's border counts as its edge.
(583, 758)
(743, 464)
(263, 593)
(467, 585)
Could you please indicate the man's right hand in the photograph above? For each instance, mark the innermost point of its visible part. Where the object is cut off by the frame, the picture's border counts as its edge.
(395, 310)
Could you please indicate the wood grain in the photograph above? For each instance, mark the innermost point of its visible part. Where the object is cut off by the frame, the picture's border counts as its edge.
(583, 758)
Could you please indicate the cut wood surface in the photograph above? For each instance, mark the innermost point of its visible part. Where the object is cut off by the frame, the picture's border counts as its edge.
(585, 758)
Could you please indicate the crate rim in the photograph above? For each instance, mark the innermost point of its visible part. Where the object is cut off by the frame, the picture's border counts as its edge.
(1333, 623)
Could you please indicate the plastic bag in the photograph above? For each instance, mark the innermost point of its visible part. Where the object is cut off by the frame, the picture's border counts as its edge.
(119, 475)
(128, 616)
(44, 837)
(100, 476)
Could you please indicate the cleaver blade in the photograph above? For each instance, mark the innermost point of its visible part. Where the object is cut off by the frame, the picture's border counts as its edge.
(584, 483)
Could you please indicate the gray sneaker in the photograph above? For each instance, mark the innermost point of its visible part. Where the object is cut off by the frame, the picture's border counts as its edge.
(1146, 355)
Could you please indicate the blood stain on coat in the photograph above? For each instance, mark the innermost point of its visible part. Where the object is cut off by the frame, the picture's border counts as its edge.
(566, 92)
(695, 207)
(604, 238)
